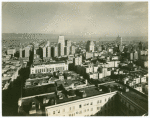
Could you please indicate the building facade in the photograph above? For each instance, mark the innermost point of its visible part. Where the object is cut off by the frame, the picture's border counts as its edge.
(61, 44)
(48, 68)
(84, 107)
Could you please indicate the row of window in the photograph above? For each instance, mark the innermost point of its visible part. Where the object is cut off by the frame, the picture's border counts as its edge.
(109, 104)
(80, 106)
(44, 70)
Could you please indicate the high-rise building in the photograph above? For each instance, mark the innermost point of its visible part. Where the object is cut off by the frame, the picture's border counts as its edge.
(20, 53)
(61, 44)
(72, 49)
(55, 51)
(27, 51)
(131, 56)
(67, 50)
(67, 43)
(44, 51)
(140, 46)
(48, 51)
(34, 51)
(90, 46)
(135, 55)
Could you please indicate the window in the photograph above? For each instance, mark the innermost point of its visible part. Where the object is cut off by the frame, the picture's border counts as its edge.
(70, 108)
(53, 112)
(97, 108)
(73, 107)
(91, 109)
(80, 112)
(87, 109)
(58, 111)
(91, 103)
(85, 104)
(98, 102)
(105, 99)
(80, 106)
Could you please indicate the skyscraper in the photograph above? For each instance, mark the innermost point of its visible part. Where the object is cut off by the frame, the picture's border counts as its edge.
(90, 46)
(20, 52)
(67, 50)
(67, 43)
(140, 46)
(72, 49)
(61, 45)
(27, 51)
(48, 51)
(135, 55)
(67, 47)
(44, 51)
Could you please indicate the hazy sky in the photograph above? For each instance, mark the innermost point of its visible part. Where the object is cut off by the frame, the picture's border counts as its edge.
(92, 18)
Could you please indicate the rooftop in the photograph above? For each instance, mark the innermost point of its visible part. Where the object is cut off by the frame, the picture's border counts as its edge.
(91, 91)
(46, 63)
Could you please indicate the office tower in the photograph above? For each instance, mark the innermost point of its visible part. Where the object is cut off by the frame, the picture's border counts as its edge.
(67, 43)
(135, 55)
(44, 51)
(131, 56)
(61, 45)
(90, 46)
(55, 51)
(48, 51)
(48, 43)
(27, 51)
(34, 51)
(72, 49)
(20, 52)
(67, 50)
(140, 46)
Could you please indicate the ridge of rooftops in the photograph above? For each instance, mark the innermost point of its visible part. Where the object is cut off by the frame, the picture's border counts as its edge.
(90, 91)
(44, 81)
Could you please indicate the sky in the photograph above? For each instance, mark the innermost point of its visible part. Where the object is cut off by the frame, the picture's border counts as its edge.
(76, 18)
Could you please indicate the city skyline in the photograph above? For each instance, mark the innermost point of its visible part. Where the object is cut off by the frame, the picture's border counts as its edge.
(76, 18)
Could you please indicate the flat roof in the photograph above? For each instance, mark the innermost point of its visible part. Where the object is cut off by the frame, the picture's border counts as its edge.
(45, 63)
(92, 91)
(135, 97)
